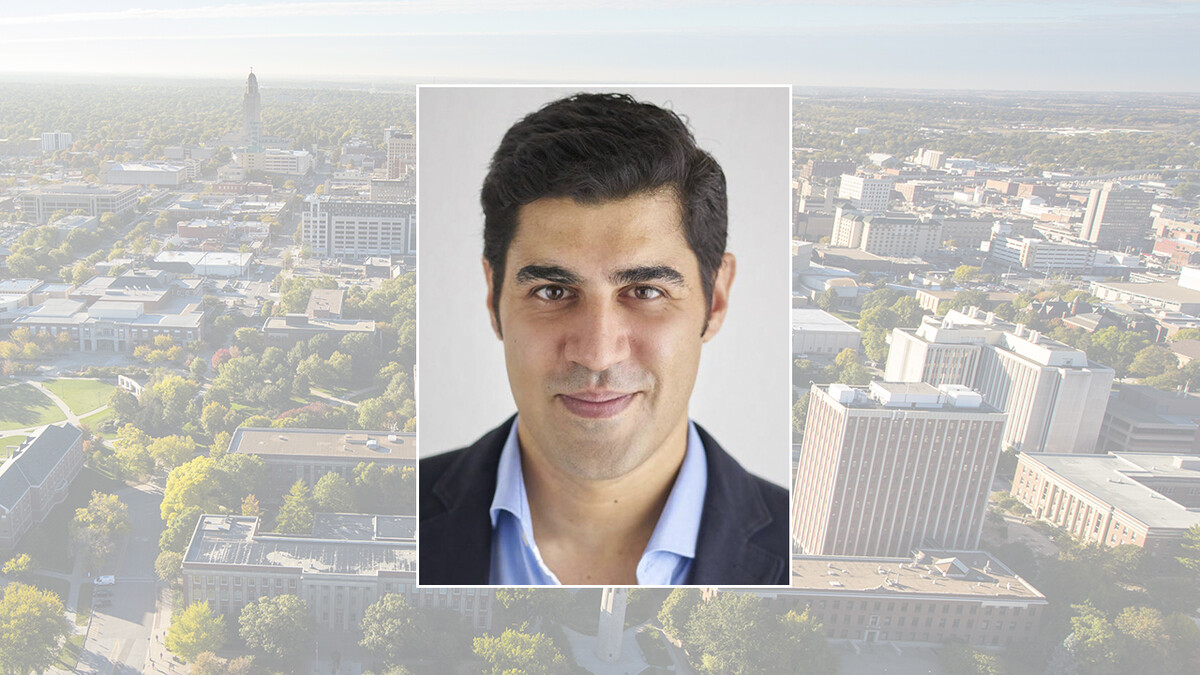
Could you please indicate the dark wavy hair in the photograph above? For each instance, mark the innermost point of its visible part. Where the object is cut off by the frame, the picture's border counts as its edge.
(596, 148)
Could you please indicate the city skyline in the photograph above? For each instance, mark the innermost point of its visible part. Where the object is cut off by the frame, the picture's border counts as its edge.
(1051, 46)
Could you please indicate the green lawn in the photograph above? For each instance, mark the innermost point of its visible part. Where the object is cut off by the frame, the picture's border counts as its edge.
(7, 441)
(68, 659)
(81, 395)
(96, 420)
(23, 406)
(83, 608)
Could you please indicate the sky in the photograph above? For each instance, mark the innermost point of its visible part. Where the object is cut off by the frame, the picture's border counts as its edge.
(1121, 45)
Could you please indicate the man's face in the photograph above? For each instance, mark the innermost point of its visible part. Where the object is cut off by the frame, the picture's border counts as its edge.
(603, 316)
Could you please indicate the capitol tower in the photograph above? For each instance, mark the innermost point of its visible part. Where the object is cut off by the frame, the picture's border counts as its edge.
(252, 113)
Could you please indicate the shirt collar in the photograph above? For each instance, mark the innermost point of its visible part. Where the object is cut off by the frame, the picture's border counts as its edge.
(678, 526)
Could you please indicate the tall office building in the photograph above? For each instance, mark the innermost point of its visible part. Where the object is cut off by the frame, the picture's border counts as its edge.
(53, 141)
(252, 114)
(866, 194)
(1055, 398)
(894, 468)
(401, 152)
(1117, 217)
(358, 227)
(887, 235)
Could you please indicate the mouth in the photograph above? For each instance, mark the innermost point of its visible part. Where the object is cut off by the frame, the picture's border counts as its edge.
(596, 404)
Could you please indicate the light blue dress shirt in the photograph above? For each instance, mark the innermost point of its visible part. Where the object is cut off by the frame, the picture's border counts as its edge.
(667, 559)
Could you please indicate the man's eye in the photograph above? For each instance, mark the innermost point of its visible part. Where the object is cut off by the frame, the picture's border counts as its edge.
(551, 293)
(647, 293)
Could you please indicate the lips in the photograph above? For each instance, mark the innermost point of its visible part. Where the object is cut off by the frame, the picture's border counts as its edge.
(596, 404)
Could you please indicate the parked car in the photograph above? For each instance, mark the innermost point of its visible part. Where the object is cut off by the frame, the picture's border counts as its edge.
(106, 580)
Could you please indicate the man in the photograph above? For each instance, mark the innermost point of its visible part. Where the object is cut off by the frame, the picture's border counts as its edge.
(605, 262)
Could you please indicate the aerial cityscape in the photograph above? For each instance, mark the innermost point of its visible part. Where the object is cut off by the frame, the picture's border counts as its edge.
(209, 425)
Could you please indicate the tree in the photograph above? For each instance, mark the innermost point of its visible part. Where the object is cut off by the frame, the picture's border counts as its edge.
(1190, 550)
(965, 273)
(178, 531)
(168, 565)
(526, 604)
(514, 652)
(732, 633)
(171, 451)
(1186, 334)
(20, 567)
(198, 368)
(1093, 640)
(677, 610)
(193, 484)
(296, 513)
(250, 507)
(1153, 360)
(827, 300)
(275, 626)
(194, 630)
(124, 405)
(800, 413)
(802, 640)
(332, 494)
(96, 527)
(131, 452)
(392, 629)
(964, 299)
(248, 340)
(32, 628)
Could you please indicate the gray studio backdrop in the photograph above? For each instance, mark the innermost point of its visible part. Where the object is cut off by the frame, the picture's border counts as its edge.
(742, 393)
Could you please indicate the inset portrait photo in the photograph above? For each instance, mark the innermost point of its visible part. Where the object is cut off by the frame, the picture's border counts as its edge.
(603, 335)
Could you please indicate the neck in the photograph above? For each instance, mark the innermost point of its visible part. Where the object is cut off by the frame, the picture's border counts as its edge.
(595, 531)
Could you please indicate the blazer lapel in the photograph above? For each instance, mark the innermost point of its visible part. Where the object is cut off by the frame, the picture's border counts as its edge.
(734, 511)
(456, 528)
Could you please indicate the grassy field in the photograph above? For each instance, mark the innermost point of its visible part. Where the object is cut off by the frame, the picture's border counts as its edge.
(83, 607)
(68, 659)
(95, 420)
(7, 441)
(23, 406)
(81, 395)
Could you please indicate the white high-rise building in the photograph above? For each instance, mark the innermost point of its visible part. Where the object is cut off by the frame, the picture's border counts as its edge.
(865, 194)
(894, 468)
(1117, 217)
(358, 227)
(53, 141)
(1054, 397)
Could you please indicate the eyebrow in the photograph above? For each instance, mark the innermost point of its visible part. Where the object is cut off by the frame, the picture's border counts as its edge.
(630, 275)
(551, 273)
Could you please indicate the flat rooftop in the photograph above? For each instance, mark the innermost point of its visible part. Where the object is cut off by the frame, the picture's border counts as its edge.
(233, 540)
(1168, 291)
(960, 574)
(366, 446)
(816, 320)
(1113, 479)
(279, 323)
(364, 527)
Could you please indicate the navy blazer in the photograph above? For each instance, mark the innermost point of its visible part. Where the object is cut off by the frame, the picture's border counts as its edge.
(743, 537)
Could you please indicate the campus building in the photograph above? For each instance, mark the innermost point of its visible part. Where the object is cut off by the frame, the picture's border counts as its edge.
(308, 454)
(1144, 499)
(865, 194)
(1144, 419)
(342, 568)
(36, 477)
(925, 599)
(817, 333)
(893, 468)
(1053, 395)
(95, 200)
(344, 227)
(1117, 217)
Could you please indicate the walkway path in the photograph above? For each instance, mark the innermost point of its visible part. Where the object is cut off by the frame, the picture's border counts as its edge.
(71, 416)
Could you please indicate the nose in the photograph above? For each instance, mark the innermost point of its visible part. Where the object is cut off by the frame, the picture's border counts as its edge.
(598, 337)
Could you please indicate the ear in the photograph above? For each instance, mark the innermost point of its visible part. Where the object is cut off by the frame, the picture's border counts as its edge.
(487, 275)
(720, 296)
